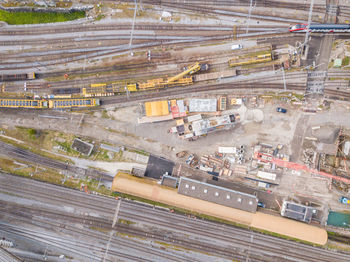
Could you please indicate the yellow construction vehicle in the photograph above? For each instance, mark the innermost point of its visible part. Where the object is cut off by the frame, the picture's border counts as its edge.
(190, 71)
(178, 80)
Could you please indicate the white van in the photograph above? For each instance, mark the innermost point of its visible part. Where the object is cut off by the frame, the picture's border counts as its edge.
(236, 47)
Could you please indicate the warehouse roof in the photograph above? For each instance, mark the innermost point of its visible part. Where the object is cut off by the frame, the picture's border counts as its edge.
(157, 108)
(169, 181)
(297, 211)
(82, 147)
(202, 105)
(218, 195)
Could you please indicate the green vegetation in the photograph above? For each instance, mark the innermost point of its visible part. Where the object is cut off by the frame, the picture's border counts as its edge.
(336, 246)
(22, 168)
(35, 150)
(345, 61)
(65, 146)
(125, 222)
(105, 114)
(99, 17)
(140, 152)
(64, 4)
(21, 18)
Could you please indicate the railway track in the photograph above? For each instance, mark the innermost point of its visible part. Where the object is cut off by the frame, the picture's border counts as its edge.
(226, 8)
(143, 96)
(30, 157)
(202, 230)
(106, 224)
(42, 30)
(109, 51)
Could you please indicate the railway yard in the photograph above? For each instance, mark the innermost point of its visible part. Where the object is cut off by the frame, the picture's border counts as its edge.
(175, 131)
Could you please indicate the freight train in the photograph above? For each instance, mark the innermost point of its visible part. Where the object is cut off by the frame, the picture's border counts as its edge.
(17, 77)
(320, 28)
(52, 103)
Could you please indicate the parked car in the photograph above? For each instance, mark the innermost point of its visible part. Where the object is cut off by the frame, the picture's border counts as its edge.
(281, 110)
(236, 47)
(261, 204)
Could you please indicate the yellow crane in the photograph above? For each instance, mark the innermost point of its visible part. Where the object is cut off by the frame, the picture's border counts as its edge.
(190, 70)
(181, 79)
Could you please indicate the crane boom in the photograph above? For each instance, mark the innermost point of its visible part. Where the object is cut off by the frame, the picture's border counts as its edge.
(190, 70)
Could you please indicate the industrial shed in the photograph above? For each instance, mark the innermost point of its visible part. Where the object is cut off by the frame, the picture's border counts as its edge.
(218, 195)
(169, 181)
(297, 211)
(82, 147)
(202, 105)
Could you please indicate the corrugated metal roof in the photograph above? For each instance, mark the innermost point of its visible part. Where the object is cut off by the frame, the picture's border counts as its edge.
(219, 195)
(297, 211)
(202, 105)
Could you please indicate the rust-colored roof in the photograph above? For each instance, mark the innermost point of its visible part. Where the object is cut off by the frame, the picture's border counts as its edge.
(157, 108)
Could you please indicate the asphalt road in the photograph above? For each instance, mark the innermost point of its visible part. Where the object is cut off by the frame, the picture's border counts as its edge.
(33, 201)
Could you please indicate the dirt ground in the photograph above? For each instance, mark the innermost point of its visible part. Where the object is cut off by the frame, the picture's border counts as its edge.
(151, 190)
(121, 128)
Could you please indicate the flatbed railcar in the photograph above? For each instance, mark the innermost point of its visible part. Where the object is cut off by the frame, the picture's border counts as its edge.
(242, 61)
(17, 77)
(320, 28)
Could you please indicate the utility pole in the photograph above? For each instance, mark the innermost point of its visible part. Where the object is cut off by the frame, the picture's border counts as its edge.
(133, 25)
(115, 220)
(284, 80)
(250, 11)
(308, 24)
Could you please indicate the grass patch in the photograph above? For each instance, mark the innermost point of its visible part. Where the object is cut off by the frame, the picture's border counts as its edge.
(21, 18)
(105, 114)
(125, 222)
(140, 152)
(102, 230)
(345, 61)
(62, 4)
(338, 247)
(36, 150)
(99, 17)
(22, 168)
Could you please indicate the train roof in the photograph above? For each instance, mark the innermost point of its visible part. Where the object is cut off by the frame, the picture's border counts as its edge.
(329, 26)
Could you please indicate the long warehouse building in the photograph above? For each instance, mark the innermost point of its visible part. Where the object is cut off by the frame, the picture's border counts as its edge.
(219, 195)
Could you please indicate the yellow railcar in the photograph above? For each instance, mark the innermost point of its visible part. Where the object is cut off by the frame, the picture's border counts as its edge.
(22, 103)
(151, 84)
(241, 61)
(71, 103)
